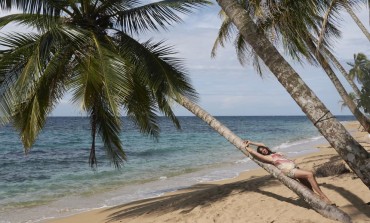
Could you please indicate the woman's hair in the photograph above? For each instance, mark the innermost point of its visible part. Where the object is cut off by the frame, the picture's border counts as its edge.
(259, 148)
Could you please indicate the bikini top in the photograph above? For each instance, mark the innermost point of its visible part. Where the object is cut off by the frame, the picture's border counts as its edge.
(279, 159)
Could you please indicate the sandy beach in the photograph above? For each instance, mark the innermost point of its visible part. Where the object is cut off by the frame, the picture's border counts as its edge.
(253, 196)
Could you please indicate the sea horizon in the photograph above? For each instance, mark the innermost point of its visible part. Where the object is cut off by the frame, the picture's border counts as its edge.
(162, 116)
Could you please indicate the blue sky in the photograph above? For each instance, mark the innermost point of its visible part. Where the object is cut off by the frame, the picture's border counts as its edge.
(227, 88)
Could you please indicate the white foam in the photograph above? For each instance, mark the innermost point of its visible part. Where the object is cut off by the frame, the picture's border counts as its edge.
(299, 142)
(245, 160)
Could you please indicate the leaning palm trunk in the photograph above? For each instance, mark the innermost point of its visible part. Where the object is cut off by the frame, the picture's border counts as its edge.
(351, 151)
(313, 200)
(357, 21)
(364, 121)
(343, 72)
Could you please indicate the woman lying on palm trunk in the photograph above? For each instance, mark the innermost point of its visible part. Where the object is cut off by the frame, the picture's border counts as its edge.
(287, 166)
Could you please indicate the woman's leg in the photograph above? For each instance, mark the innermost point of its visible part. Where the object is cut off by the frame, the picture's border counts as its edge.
(305, 182)
(308, 175)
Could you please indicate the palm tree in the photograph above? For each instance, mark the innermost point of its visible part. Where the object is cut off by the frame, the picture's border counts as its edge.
(360, 67)
(364, 101)
(86, 47)
(316, 203)
(361, 71)
(346, 75)
(350, 150)
(347, 6)
(364, 121)
(294, 31)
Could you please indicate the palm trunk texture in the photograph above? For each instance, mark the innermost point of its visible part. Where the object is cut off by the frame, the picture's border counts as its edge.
(343, 72)
(364, 121)
(357, 21)
(328, 211)
(350, 150)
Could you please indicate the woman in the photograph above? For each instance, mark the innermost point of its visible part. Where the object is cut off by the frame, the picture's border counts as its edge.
(286, 166)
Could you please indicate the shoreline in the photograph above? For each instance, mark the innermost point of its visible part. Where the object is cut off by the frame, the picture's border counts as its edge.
(123, 192)
(190, 203)
(72, 205)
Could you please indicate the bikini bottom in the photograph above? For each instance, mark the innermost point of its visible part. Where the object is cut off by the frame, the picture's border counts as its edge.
(288, 169)
(290, 172)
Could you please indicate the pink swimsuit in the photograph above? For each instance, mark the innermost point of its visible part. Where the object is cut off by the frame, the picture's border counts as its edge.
(287, 166)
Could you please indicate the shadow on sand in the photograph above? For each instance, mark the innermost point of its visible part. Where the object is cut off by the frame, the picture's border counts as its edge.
(360, 208)
(197, 195)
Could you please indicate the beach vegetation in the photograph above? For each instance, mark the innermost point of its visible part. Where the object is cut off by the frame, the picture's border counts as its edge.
(89, 48)
(361, 72)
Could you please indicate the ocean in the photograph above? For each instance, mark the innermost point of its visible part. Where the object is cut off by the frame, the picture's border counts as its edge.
(55, 180)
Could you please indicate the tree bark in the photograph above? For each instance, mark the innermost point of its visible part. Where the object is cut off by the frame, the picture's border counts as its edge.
(357, 21)
(351, 151)
(343, 72)
(364, 121)
(326, 210)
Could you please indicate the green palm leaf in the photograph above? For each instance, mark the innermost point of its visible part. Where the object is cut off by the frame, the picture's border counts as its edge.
(30, 113)
(100, 84)
(84, 47)
(360, 68)
(224, 33)
(141, 106)
(162, 73)
(155, 15)
(45, 7)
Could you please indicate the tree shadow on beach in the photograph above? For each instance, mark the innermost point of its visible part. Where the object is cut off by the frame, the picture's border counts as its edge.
(198, 195)
(321, 158)
(360, 207)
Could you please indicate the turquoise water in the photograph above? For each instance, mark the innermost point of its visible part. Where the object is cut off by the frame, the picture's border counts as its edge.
(54, 179)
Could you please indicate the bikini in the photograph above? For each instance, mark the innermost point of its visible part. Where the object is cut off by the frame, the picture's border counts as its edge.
(287, 166)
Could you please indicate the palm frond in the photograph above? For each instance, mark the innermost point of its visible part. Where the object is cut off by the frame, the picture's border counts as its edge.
(164, 75)
(169, 75)
(111, 7)
(360, 67)
(141, 106)
(242, 50)
(42, 23)
(326, 17)
(247, 54)
(30, 81)
(30, 112)
(107, 125)
(100, 84)
(155, 15)
(45, 7)
(224, 33)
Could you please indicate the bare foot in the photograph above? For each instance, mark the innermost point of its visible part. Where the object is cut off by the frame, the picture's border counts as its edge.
(326, 199)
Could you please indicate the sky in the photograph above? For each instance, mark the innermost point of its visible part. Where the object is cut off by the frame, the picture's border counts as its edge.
(228, 89)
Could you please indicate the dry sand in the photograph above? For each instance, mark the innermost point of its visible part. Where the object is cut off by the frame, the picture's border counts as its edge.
(254, 196)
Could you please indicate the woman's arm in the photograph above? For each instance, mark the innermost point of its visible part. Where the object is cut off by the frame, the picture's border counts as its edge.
(265, 159)
(256, 143)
